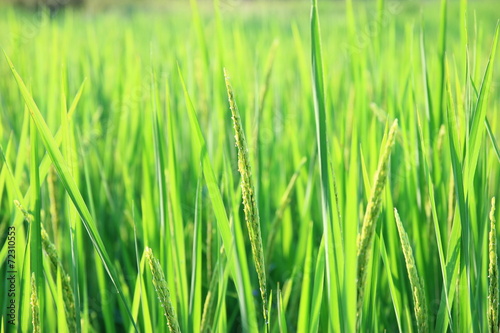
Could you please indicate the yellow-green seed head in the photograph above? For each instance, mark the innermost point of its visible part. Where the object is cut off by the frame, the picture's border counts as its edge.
(492, 273)
(365, 238)
(35, 306)
(162, 291)
(68, 295)
(248, 196)
(416, 285)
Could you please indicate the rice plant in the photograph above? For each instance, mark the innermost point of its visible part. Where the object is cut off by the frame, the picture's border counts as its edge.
(261, 150)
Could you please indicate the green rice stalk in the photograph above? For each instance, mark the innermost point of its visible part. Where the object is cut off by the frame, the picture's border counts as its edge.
(493, 274)
(35, 307)
(248, 194)
(365, 238)
(416, 284)
(162, 291)
(68, 295)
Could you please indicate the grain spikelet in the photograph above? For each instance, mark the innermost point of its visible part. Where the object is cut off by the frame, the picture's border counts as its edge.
(451, 201)
(365, 238)
(35, 307)
(162, 291)
(493, 274)
(416, 285)
(27, 215)
(51, 178)
(68, 296)
(440, 139)
(248, 194)
(209, 305)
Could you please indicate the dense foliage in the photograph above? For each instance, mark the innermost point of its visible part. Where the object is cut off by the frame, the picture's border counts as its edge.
(121, 163)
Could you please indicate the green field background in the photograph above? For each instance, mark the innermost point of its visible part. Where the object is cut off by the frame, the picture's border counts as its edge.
(128, 74)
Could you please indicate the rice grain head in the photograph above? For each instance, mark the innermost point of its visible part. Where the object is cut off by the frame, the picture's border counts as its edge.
(365, 238)
(416, 285)
(248, 195)
(209, 305)
(162, 291)
(68, 295)
(208, 308)
(35, 306)
(451, 201)
(492, 274)
(51, 177)
(27, 215)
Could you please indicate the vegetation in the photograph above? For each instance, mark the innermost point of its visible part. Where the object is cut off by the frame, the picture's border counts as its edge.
(333, 171)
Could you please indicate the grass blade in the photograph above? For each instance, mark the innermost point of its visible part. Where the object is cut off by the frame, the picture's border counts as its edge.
(332, 257)
(281, 312)
(479, 117)
(492, 138)
(36, 227)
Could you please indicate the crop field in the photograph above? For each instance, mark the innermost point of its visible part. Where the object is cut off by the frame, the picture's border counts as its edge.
(240, 166)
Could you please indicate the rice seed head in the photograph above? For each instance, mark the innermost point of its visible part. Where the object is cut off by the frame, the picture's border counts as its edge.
(162, 291)
(35, 306)
(207, 312)
(365, 238)
(209, 305)
(441, 136)
(51, 177)
(68, 295)
(248, 195)
(416, 285)
(451, 201)
(492, 274)
(28, 217)
(50, 249)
